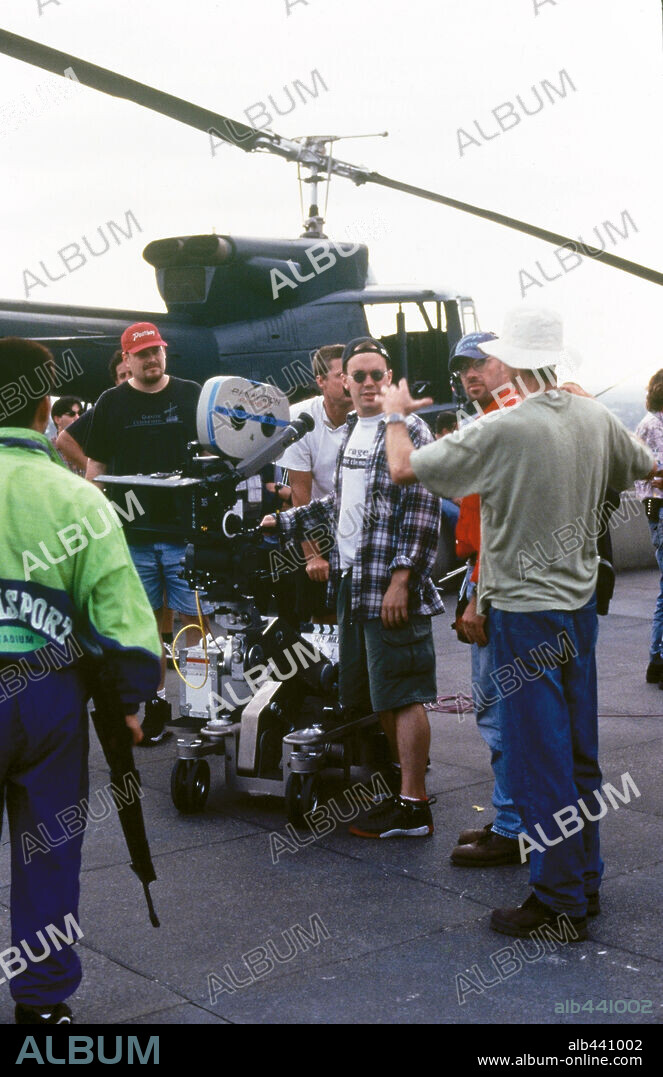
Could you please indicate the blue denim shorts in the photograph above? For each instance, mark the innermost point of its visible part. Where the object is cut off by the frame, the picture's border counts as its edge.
(159, 565)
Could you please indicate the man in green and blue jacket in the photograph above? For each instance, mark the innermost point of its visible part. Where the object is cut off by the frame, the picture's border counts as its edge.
(68, 589)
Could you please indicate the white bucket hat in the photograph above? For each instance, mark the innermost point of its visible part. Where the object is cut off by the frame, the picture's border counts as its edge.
(532, 338)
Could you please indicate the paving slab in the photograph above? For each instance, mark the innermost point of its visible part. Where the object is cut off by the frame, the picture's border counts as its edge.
(220, 903)
(428, 980)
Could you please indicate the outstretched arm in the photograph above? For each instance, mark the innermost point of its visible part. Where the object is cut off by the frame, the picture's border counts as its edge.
(398, 443)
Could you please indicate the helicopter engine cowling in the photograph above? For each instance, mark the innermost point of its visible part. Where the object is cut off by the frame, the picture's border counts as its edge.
(221, 279)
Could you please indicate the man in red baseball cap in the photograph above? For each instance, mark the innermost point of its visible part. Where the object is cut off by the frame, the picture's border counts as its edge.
(139, 337)
(143, 426)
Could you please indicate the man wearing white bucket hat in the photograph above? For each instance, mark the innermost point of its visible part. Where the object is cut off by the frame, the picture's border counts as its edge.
(541, 469)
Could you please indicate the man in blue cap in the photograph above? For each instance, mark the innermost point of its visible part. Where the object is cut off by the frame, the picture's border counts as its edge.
(486, 384)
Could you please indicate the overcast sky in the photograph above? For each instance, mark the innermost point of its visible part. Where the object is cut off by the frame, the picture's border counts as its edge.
(429, 72)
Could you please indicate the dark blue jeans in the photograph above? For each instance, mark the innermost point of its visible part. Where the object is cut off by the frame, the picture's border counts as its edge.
(656, 645)
(550, 734)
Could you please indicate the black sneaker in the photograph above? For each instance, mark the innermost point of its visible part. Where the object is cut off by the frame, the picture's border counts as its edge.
(654, 670)
(396, 818)
(60, 1014)
(157, 714)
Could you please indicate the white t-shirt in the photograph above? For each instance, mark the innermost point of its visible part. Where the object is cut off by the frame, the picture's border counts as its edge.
(316, 451)
(353, 488)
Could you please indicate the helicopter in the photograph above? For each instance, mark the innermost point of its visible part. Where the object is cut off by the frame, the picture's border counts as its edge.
(261, 307)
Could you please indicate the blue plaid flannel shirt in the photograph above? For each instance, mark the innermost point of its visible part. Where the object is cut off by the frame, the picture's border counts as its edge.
(400, 529)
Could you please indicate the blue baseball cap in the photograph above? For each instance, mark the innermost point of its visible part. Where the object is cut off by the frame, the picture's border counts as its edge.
(467, 348)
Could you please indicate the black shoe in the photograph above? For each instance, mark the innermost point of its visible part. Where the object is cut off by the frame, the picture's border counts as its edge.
(396, 818)
(490, 850)
(531, 915)
(157, 714)
(593, 904)
(60, 1014)
(654, 671)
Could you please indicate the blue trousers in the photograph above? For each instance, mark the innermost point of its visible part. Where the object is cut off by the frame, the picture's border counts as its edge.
(656, 645)
(550, 732)
(486, 707)
(43, 771)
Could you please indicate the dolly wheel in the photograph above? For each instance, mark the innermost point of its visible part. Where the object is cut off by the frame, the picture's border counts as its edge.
(302, 795)
(189, 785)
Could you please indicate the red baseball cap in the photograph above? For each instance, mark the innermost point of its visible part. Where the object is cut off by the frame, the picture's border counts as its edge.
(141, 335)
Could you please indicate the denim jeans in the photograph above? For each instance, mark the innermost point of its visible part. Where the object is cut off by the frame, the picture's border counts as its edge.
(550, 734)
(486, 707)
(159, 565)
(656, 646)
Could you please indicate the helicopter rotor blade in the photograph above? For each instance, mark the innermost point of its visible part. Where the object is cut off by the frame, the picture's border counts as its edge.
(110, 82)
(251, 139)
(559, 240)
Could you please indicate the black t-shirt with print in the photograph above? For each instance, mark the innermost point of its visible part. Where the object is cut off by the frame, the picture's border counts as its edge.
(135, 433)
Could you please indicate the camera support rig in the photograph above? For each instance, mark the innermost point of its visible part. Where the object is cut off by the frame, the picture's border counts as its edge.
(252, 710)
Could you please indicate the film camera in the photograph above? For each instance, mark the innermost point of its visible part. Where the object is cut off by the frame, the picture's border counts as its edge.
(257, 692)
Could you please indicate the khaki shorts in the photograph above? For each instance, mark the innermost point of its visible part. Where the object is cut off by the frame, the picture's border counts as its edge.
(380, 668)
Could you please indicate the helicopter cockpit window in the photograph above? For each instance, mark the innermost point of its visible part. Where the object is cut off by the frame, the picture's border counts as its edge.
(381, 318)
(418, 344)
(469, 317)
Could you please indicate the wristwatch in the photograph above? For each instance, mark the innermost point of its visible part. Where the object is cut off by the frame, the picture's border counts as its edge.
(395, 417)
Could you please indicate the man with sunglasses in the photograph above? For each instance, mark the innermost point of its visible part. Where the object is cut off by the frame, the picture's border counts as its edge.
(65, 411)
(384, 545)
(485, 382)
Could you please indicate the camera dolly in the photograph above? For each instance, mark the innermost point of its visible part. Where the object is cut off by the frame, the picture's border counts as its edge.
(290, 678)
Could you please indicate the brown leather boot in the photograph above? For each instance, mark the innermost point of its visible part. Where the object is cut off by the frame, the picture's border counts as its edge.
(466, 837)
(533, 914)
(490, 850)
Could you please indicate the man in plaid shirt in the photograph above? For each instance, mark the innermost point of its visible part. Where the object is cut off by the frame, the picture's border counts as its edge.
(382, 542)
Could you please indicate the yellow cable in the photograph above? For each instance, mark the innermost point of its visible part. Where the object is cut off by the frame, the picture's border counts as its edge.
(203, 633)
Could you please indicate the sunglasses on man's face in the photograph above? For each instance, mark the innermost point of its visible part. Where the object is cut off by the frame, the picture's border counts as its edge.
(73, 414)
(466, 365)
(360, 375)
